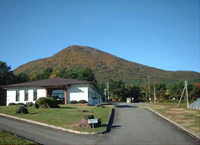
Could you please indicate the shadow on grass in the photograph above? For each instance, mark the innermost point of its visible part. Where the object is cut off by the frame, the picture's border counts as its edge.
(32, 113)
(66, 107)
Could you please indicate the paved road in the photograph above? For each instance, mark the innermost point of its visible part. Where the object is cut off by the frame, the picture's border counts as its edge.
(132, 125)
(135, 125)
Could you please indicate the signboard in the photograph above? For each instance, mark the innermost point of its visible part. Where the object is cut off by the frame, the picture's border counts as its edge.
(92, 121)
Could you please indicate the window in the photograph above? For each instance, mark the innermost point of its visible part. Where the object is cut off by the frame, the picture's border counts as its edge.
(35, 94)
(26, 95)
(17, 95)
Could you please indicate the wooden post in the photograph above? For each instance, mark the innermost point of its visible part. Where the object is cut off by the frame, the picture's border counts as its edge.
(46, 92)
(66, 96)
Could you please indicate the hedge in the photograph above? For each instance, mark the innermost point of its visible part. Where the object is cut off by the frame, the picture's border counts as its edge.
(11, 104)
(73, 102)
(82, 101)
(20, 104)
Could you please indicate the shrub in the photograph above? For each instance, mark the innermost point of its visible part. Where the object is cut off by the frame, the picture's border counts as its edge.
(82, 101)
(53, 103)
(42, 101)
(21, 110)
(11, 104)
(29, 104)
(35, 105)
(47, 102)
(73, 102)
(20, 103)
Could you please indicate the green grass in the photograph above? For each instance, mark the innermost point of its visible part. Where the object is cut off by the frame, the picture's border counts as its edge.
(68, 116)
(7, 138)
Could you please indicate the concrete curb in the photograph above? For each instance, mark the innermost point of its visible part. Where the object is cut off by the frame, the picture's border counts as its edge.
(60, 128)
(182, 128)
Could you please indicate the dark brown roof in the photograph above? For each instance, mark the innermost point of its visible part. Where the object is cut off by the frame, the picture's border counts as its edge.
(49, 83)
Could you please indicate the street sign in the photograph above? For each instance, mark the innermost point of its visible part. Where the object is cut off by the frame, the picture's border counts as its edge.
(92, 121)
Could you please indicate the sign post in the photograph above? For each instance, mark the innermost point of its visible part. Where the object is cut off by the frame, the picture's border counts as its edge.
(92, 121)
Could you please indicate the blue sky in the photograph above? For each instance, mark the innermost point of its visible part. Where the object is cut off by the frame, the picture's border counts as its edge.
(157, 33)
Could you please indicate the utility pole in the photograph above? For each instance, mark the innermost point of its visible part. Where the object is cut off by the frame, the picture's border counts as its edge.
(105, 95)
(108, 89)
(154, 95)
(149, 88)
(185, 89)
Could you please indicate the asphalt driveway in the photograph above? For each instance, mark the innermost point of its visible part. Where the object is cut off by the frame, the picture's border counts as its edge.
(132, 125)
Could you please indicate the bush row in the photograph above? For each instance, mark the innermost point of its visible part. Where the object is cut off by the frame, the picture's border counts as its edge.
(47, 102)
(80, 101)
(27, 104)
(42, 102)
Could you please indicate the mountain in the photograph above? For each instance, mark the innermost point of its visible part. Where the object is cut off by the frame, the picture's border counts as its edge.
(105, 66)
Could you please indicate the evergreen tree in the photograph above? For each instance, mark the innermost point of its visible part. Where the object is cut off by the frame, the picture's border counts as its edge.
(87, 75)
(6, 75)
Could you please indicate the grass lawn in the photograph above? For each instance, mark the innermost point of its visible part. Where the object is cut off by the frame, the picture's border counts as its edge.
(7, 138)
(68, 116)
(187, 118)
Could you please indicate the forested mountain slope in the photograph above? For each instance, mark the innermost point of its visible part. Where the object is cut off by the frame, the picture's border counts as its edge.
(105, 66)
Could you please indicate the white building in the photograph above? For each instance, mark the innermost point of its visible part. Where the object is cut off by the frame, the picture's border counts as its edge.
(64, 90)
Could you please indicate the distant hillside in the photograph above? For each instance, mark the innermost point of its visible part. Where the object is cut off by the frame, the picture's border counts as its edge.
(105, 66)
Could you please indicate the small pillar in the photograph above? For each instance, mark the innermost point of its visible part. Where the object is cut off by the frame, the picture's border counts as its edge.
(66, 96)
(48, 92)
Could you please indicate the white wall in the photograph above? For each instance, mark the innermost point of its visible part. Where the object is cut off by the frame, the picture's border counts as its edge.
(41, 93)
(11, 95)
(83, 92)
(77, 92)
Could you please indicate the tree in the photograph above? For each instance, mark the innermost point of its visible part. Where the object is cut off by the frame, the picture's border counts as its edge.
(72, 74)
(161, 91)
(33, 76)
(133, 91)
(21, 77)
(101, 86)
(145, 91)
(177, 89)
(117, 89)
(62, 72)
(6, 75)
(87, 75)
(46, 73)
(193, 91)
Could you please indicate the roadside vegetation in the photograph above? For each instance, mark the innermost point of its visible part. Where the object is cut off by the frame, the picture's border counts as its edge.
(67, 116)
(8, 138)
(187, 118)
